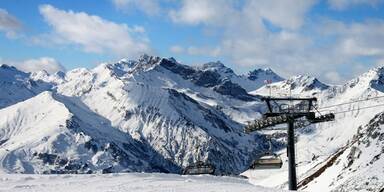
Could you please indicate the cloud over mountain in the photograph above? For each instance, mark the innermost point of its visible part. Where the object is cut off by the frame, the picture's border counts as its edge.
(93, 33)
(47, 64)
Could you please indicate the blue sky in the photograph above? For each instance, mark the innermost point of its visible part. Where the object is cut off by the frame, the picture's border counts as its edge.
(334, 40)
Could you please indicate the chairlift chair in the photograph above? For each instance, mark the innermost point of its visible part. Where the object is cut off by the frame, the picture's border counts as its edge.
(267, 161)
(199, 168)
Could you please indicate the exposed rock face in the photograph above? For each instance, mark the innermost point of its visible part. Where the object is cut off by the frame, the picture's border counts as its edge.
(234, 90)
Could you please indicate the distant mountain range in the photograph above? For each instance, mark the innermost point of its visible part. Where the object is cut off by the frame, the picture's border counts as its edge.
(157, 115)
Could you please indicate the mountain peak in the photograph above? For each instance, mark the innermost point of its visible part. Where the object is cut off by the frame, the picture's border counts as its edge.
(10, 69)
(374, 78)
(142, 63)
(144, 58)
(213, 64)
(11, 73)
(264, 74)
(374, 75)
(378, 82)
(5, 66)
(216, 66)
(306, 82)
(298, 85)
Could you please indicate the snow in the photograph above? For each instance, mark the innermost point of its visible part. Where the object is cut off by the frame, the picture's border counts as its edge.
(324, 140)
(296, 86)
(144, 116)
(17, 86)
(138, 182)
(170, 121)
(251, 81)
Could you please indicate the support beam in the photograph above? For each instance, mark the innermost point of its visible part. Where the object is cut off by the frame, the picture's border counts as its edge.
(292, 180)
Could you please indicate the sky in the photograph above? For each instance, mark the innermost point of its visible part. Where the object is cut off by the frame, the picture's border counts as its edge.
(334, 40)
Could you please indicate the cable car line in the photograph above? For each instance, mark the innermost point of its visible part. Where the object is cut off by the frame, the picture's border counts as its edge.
(350, 102)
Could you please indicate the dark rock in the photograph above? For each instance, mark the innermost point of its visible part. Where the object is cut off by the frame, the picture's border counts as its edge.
(73, 166)
(91, 145)
(206, 78)
(47, 158)
(3, 141)
(234, 90)
(107, 170)
(184, 71)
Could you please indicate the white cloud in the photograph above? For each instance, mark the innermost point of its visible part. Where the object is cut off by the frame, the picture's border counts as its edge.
(281, 13)
(213, 52)
(333, 76)
(93, 33)
(138, 29)
(245, 38)
(48, 64)
(202, 11)
(285, 14)
(44, 63)
(150, 7)
(176, 49)
(9, 24)
(192, 50)
(355, 41)
(346, 48)
(344, 4)
(363, 39)
(301, 45)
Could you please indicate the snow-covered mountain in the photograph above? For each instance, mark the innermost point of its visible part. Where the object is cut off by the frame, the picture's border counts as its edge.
(156, 115)
(51, 133)
(296, 86)
(352, 157)
(250, 81)
(153, 114)
(17, 86)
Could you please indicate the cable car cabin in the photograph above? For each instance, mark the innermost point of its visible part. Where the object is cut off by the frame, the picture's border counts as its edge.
(199, 168)
(267, 161)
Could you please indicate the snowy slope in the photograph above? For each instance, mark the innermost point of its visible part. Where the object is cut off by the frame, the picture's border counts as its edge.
(359, 167)
(318, 146)
(296, 86)
(359, 123)
(55, 134)
(140, 182)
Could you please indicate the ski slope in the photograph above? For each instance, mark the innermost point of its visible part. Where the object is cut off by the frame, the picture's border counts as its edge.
(138, 182)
